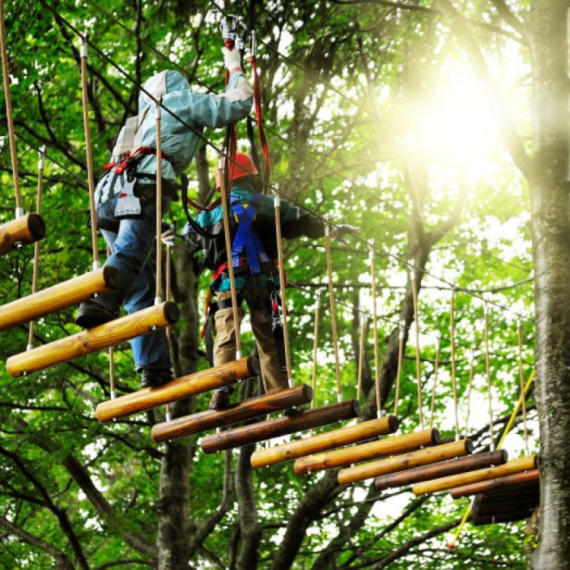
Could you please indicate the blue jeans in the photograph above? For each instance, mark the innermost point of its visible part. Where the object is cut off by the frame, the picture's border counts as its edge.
(130, 249)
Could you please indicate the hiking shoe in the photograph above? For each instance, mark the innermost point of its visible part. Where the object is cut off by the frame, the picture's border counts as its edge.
(156, 378)
(220, 400)
(91, 314)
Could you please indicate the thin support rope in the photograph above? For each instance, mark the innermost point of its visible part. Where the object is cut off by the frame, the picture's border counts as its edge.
(361, 360)
(418, 356)
(435, 378)
(228, 238)
(453, 360)
(521, 377)
(36, 263)
(168, 293)
(10, 114)
(111, 354)
(158, 296)
(88, 153)
(400, 366)
(488, 373)
(469, 389)
(283, 284)
(333, 311)
(376, 341)
(315, 348)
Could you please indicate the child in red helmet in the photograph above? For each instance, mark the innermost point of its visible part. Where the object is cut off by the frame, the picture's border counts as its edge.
(254, 255)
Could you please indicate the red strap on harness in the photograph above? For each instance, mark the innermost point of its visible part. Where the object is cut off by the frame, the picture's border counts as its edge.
(217, 273)
(141, 151)
(196, 206)
(259, 116)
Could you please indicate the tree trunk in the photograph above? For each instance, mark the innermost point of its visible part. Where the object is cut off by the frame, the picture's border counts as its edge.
(551, 252)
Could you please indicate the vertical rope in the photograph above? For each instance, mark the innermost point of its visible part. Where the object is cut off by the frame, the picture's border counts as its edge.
(168, 285)
(453, 362)
(400, 366)
(90, 176)
(435, 379)
(375, 322)
(521, 377)
(333, 311)
(283, 284)
(224, 193)
(10, 114)
(488, 371)
(158, 296)
(36, 266)
(361, 361)
(418, 356)
(111, 354)
(316, 347)
(469, 389)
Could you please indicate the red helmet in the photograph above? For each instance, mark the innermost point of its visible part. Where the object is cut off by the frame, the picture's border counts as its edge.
(240, 167)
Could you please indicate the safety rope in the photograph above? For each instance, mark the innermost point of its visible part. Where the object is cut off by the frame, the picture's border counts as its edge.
(88, 153)
(111, 354)
(400, 366)
(435, 378)
(361, 361)
(158, 119)
(375, 323)
(418, 356)
(333, 311)
(508, 428)
(10, 115)
(453, 363)
(316, 346)
(521, 379)
(488, 373)
(228, 239)
(469, 390)
(36, 263)
(283, 284)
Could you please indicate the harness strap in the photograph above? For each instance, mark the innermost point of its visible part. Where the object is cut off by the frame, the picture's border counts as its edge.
(246, 238)
(259, 116)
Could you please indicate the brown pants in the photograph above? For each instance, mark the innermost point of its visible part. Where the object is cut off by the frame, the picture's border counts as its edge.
(225, 342)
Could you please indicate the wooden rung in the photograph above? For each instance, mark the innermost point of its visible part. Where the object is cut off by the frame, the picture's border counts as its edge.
(327, 440)
(463, 465)
(401, 462)
(445, 483)
(58, 297)
(371, 450)
(210, 419)
(495, 484)
(178, 389)
(21, 231)
(103, 336)
(280, 426)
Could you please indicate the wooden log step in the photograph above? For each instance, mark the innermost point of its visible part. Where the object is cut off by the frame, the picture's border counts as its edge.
(103, 336)
(507, 518)
(462, 465)
(453, 481)
(21, 231)
(211, 419)
(58, 297)
(370, 450)
(401, 462)
(277, 427)
(327, 440)
(178, 389)
(495, 484)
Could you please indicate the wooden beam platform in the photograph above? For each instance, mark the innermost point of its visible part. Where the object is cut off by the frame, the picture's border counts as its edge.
(406, 461)
(371, 450)
(58, 297)
(277, 427)
(328, 440)
(495, 484)
(443, 469)
(453, 481)
(104, 336)
(178, 389)
(211, 419)
(21, 231)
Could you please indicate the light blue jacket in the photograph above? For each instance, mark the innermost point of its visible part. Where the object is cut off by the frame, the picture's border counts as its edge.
(199, 110)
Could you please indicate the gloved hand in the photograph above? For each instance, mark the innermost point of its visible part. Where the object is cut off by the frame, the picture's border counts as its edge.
(339, 231)
(232, 58)
(168, 237)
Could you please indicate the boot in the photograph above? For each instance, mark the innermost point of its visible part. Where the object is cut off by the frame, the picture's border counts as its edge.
(220, 400)
(91, 314)
(156, 378)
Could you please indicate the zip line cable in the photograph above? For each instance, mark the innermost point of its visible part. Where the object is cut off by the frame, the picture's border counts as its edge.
(220, 152)
(306, 153)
